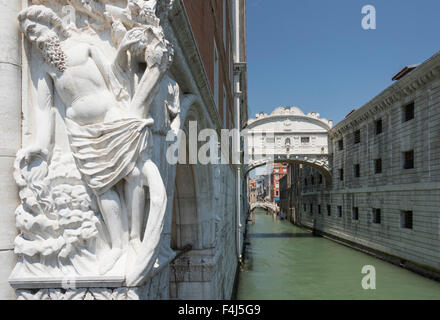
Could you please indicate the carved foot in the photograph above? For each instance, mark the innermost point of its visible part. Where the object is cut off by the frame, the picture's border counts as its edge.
(110, 260)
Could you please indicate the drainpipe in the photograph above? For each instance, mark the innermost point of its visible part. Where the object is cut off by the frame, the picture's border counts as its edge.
(237, 102)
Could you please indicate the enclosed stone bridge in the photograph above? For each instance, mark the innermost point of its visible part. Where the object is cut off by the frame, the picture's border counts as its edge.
(288, 135)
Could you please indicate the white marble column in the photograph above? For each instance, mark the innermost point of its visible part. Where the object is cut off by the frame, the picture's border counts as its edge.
(10, 135)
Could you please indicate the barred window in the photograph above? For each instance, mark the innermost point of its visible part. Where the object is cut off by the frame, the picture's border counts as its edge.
(408, 159)
(376, 216)
(378, 125)
(378, 166)
(406, 219)
(357, 136)
(355, 215)
(305, 140)
(357, 170)
(408, 112)
(341, 145)
(340, 211)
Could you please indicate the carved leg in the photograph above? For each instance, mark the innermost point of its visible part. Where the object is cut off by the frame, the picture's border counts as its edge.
(111, 210)
(135, 198)
(150, 247)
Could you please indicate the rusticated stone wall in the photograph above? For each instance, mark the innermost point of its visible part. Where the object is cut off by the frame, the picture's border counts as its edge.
(394, 189)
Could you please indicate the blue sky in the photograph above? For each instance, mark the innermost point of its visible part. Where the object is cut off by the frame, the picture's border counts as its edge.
(314, 53)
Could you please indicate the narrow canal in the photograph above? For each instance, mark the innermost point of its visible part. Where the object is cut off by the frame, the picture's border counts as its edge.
(283, 261)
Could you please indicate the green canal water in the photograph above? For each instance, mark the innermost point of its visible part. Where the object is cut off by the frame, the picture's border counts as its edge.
(285, 262)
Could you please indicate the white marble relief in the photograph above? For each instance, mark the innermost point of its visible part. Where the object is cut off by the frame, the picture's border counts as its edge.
(92, 176)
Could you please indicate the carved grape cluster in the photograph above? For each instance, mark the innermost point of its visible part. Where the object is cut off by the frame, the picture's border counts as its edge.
(54, 54)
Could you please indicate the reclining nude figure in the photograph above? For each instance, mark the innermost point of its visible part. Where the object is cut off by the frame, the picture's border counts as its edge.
(108, 132)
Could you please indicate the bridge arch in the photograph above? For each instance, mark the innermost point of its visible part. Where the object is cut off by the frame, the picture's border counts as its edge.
(320, 165)
(193, 195)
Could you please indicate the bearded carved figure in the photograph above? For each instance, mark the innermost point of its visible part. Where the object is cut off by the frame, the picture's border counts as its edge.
(101, 101)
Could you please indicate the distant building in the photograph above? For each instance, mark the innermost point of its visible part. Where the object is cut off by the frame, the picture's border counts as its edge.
(278, 172)
(284, 195)
(252, 191)
(383, 193)
(290, 191)
(261, 190)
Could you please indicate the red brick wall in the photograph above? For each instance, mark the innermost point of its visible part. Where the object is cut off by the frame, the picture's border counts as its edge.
(282, 171)
(206, 29)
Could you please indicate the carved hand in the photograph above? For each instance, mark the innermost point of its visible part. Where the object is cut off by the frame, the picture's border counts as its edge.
(121, 55)
(130, 38)
(34, 151)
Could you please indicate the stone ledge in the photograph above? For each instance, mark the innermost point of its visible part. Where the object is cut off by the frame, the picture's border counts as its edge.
(8, 153)
(78, 282)
(429, 186)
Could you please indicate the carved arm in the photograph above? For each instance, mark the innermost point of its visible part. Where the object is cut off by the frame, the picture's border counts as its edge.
(44, 120)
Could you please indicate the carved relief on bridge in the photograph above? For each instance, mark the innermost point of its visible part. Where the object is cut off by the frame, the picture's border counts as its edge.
(93, 179)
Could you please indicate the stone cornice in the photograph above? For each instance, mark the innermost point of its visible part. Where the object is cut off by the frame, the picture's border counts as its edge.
(256, 122)
(423, 186)
(413, 81)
